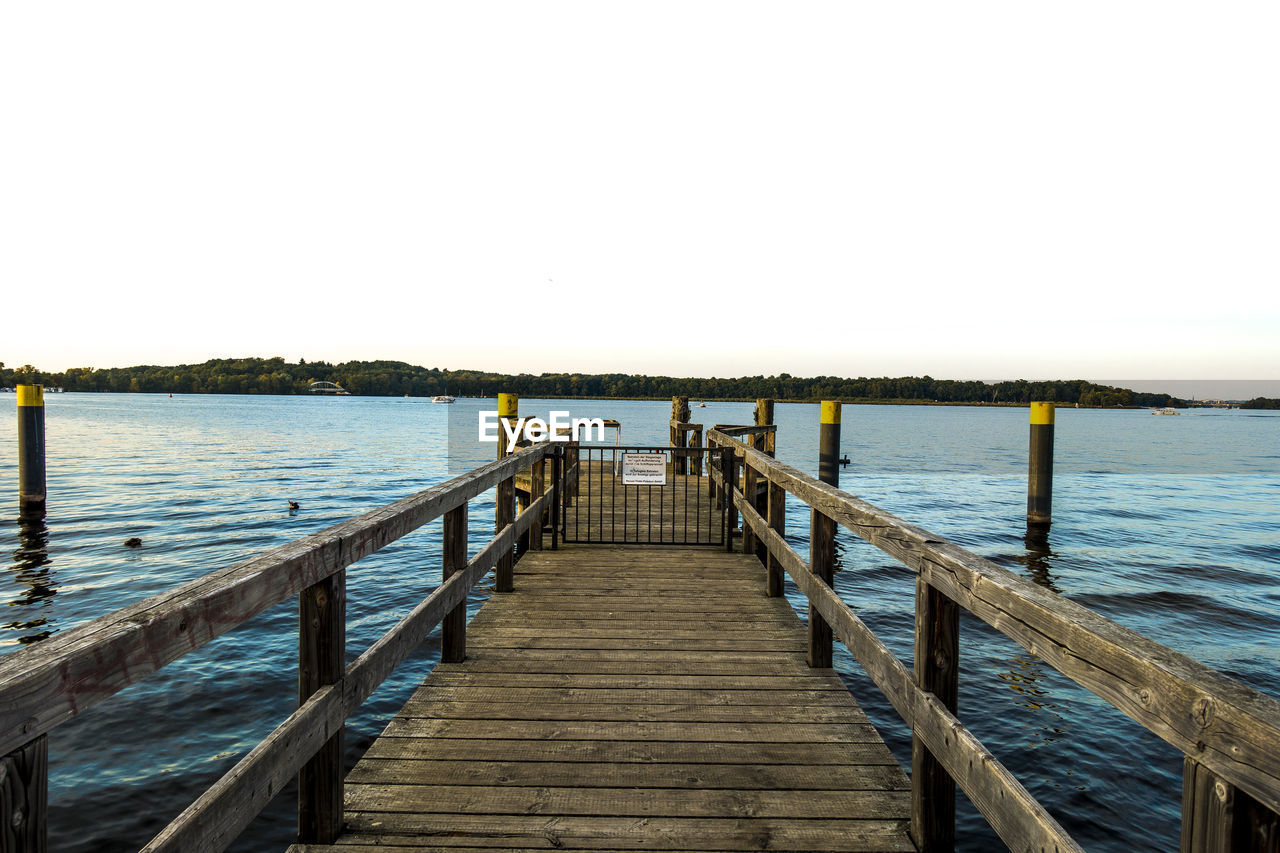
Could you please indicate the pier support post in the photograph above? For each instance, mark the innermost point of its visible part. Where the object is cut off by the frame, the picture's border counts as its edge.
(1218, 817)
(1040, 467)
(679, 414)
(557, 491)
(777, 522)
(24, 797)
(764, 417)
(749, 543)
(537, 485)
(31, 469)
(937, 654)
(729, 474)
(505, 508)
(822, 532)
(453, 630)
(321, 658)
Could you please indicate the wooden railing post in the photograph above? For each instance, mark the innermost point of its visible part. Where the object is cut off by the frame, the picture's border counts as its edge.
(322, 634)
(24, 798)
(749, 493)
(729, 473)
(557, 486)
(764, 417)
(537, 485)
(937, 654)
(822, 532)
(505, 509)
(695, 458)
(680, 414)
(1217, 817)
(777, 521)
(453, 629)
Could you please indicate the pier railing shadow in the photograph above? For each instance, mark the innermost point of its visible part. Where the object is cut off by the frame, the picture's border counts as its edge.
(47, 684)
(1228, 733)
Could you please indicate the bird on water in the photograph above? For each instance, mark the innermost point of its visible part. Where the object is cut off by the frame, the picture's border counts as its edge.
(133, 542)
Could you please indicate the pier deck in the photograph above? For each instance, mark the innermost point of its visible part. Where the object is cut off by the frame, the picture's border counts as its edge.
(629, 698)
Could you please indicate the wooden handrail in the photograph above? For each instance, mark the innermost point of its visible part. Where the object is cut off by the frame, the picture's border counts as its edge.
(1221, 724)
(44, 685)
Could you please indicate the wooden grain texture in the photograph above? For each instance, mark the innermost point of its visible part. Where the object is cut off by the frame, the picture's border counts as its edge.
(24, 798)
(631, 729)
(1225, 725)
(937, 661)
(322, 636)
(47, 683)
(1020, 821)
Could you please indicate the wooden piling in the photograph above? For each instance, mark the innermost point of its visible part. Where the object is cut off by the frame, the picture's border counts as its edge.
(680, 414)
(1040, 467)
(31, 452)
(24, 797)
(778, 522)
(322, 610)
(505, 509)
(822, 531)
(764, 417)
(937, 653)
(537, 485)
(453, 629)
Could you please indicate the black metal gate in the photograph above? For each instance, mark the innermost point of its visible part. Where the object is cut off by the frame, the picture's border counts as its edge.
(641, 496)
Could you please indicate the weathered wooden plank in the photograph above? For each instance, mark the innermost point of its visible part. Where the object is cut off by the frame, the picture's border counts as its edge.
(648, 802)
(560, 832)
(517, 677)
(512, 694)
(47, 683)
(453, 630)
(1224, 724)
(689, 732)
(861, 754)
(613, 774)
(573, 712)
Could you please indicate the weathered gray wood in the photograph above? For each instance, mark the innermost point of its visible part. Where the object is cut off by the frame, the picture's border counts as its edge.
(777, 509)
(538, 487)
(510, 736)
(453, 630)
(214, 820)
(322, 633)
(822, 559)
(24, 798)
(629, 833)
(1224, 724)
(1208, 811)
(45, 684)
(1020, 821)
(937, 654)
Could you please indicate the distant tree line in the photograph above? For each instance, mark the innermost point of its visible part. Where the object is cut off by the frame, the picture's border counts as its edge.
(1261, 403)
(396, 378)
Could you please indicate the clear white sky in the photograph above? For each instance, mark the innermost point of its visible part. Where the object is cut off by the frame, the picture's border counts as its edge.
(969, 190)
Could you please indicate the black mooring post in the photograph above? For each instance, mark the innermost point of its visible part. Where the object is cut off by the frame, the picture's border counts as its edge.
(1040, 468)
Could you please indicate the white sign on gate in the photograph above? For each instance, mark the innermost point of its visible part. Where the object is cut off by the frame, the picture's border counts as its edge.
(644, 469)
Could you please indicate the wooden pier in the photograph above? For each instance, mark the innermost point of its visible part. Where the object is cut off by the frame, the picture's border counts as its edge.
(652, 695)
(630, 699)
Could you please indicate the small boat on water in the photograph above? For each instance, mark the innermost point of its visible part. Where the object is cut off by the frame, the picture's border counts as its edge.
(702, 405)
(443, 398)
(1166, 412)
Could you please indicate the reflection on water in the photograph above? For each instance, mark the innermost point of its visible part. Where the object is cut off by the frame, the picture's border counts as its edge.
(1039, 558)
(33, 583)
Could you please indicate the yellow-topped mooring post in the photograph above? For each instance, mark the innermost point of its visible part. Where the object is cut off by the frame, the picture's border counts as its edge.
(505, 510)
(1040, 468)
(31, 482)
(822, 531)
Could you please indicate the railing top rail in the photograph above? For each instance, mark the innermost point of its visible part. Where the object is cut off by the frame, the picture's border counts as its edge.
(1222, 723)
(728, 431)
(44, 685)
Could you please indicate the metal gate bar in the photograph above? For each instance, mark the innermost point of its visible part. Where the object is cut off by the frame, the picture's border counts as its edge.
(681, 511)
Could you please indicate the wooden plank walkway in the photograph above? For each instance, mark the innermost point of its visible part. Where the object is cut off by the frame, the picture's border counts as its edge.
(681, 511)
(629, 698)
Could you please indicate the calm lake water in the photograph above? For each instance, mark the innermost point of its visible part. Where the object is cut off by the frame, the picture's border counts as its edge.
(1167, 525)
